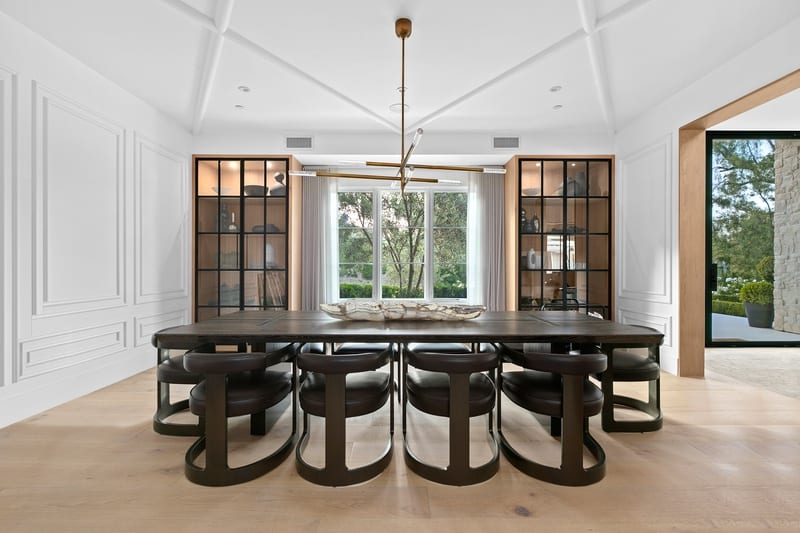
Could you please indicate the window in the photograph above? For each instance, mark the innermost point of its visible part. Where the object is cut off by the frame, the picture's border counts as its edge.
(411, 245)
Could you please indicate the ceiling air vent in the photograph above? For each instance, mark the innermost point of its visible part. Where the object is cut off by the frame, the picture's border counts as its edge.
(299, 143)
(505, 142)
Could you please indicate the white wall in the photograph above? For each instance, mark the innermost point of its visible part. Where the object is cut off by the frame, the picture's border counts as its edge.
(95, 227)
(647, 184)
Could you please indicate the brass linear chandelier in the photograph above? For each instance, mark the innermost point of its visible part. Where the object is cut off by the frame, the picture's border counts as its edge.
(402, 28)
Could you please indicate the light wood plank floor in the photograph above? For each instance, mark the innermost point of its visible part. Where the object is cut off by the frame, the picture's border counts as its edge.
(728, 459)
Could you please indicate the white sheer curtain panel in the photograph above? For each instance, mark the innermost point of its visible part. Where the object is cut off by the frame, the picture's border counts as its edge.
(486, 275)
(318, 269)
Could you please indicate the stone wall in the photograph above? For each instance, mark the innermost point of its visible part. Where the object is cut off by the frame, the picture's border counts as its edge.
(787, 236)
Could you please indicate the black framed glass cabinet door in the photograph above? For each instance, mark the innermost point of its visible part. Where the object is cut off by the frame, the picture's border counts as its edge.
(241, 220)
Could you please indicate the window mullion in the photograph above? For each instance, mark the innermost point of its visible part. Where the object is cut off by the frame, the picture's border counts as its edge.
(377, 239)
(427, 264)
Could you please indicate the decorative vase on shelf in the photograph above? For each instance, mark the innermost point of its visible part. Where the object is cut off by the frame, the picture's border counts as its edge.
(232, 226)
(532, 259)
(269, 256)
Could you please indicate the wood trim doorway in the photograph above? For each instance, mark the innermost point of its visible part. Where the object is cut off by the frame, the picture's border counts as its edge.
(691, 216)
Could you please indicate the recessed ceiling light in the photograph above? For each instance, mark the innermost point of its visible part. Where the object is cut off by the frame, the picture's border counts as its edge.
(238, 106)
(557, 107)
(555, 88)
(396, 108)
(244, 88)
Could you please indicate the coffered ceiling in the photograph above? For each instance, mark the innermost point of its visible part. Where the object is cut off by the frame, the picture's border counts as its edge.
(506, 67)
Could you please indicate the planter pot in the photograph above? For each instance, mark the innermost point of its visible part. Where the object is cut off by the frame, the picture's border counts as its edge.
(759, 315)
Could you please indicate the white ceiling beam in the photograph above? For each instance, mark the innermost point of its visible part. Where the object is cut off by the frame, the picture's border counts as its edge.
(588, 15)
(220, 27)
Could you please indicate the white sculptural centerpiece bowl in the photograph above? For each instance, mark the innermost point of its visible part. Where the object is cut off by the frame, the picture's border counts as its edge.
(377, 311)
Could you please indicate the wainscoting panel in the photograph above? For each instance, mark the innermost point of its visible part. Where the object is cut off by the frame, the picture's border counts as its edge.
(78, 199)
(161, 210)
(645, 232)
(145, 326)
(8, 135)
(60, 351)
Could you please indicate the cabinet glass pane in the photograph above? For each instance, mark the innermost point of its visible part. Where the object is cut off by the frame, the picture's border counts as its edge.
(598, 288)
(598, 215)
(229, 289)
(553, 216)
(207, 288)
(528, 260)
(577, 184)
(207, 251)
(530, 215)
(599, 178)
(229, 174)
(229, 218)
(598, 252)
(276, 178)
(254, 178)
(228, 252)
(577, 259)
(530, 289)
(207, 216)
(531, 178)
(276, 215)
(271, 288)
(576, 216)
(207, 178)
(553, 178)
(252, 296)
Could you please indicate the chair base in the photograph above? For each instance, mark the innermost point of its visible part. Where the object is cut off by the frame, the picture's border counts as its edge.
(573, 477)
(219, 475)
(611, 425)
(165, 409)
(652, 407)
(456, 475)
(337, 474)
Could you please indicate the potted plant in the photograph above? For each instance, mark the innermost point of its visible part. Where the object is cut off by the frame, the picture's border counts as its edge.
(758, 303)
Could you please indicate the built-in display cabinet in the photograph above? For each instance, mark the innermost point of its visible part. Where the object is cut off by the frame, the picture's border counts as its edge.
(563, 232)
(241, 248)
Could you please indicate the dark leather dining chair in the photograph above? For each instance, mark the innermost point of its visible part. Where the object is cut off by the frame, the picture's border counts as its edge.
(338, 386)
(632, 363)
(457, 385)
(237, 384)
(170, 371)
(556, 385)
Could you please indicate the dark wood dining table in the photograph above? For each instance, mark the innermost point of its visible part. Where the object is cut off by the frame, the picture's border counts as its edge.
(257, 327)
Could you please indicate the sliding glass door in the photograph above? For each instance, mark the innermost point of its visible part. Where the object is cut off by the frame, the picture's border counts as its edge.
(753, 238)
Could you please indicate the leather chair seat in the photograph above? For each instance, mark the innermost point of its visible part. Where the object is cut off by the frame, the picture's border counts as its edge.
(631, 366)
(430, 392)
(248, 392)
(541, 392)
(171, 371)
(364, 391)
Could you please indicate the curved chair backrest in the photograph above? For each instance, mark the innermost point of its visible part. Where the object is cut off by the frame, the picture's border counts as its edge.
(561, 363)
(343, 363)
(459, 363)
(200, 362)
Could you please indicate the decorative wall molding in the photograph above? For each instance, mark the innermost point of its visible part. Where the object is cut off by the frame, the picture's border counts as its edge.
(145, 326)
(160, 211)
(658, 322)
(79, 207)
(645, 234)
(8, 166)
(56, 352)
